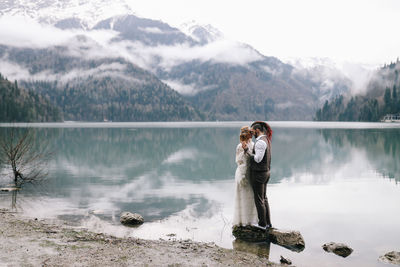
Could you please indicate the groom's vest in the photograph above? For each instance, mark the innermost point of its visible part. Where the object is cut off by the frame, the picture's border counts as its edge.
(265, 164)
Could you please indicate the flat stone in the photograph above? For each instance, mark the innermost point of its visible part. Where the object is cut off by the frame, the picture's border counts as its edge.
(128, 218)
(292, 240)
(392, 257)
(338, 248)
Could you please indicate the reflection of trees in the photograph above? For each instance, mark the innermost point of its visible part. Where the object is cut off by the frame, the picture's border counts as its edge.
(132, 169)
(146, 150)
(14, 200)
(91, 163)
(130, 153)
(300, 151)
(382, 146)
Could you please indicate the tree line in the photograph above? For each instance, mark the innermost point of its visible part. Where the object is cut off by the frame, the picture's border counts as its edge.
(20, 105)
(372, 106)
(116, 99)
(100, 89)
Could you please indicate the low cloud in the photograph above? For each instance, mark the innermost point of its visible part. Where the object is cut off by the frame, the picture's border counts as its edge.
(187, 89)
(184, 89)
(360, 75)
(167, 57)
(219, 51)
(14, 71)
(151, 29)
(284, 105)
(273, 72)
(27, 33)
(23, 32)
(329, 73)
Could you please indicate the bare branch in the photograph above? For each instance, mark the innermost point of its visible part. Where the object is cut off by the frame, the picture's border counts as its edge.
(25, 155)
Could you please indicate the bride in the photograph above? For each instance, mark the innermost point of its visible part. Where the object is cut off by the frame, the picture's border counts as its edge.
(245, 210)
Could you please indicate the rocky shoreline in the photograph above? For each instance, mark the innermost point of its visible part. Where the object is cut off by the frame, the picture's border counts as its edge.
(32, 242)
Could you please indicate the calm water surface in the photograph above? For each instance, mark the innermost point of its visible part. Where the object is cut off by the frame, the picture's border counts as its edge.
(331, 181)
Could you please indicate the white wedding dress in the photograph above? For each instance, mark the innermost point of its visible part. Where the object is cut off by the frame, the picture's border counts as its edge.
(244, 210)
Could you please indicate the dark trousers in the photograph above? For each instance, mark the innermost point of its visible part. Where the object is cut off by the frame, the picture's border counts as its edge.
(259, 182)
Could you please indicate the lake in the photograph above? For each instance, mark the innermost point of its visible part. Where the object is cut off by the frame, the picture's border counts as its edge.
(335, 182)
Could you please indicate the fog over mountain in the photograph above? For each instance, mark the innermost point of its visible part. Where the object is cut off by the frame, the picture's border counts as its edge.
(76, 44)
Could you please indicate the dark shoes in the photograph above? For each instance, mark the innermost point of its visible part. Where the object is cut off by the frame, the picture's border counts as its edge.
(268, 226)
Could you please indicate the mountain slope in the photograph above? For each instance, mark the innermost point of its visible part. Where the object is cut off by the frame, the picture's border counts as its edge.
(20, 105)
(203, 34)
(380, 98)
(99, 89)
(225, 80)
(265, 89)
(147, 31)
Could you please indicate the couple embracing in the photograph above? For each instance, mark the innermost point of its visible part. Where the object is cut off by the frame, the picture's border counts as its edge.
(253, 161)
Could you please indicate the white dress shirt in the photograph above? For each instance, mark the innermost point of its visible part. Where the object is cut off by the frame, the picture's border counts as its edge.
(259, 149)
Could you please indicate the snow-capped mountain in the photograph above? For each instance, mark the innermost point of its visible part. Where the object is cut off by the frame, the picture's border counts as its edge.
(201, 33)
(87, 12)
(226, 80)
(146, 31)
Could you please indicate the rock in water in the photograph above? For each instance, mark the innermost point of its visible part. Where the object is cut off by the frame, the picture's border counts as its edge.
(338, 248)
(128, 218)
(249, 233)
(292, 240)
(392, 257)
(289, 239)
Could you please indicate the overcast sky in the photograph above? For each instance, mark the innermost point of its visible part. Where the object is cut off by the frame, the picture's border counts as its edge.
(344, 30)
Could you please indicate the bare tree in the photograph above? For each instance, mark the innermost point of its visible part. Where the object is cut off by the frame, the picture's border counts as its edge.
(24, 155)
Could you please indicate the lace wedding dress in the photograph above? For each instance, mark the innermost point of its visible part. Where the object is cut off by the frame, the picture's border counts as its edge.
(244, 210)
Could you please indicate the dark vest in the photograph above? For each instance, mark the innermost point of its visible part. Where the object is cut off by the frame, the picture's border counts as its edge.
(265, 164)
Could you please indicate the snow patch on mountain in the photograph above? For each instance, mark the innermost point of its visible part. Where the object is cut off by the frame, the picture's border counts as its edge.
(201, 33)
(52, 11)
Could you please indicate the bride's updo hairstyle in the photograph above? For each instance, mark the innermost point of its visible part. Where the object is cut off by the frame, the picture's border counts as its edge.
(245, 133)
(264, 127)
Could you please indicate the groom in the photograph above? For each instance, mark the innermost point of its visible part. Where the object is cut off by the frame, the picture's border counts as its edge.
(260, 166)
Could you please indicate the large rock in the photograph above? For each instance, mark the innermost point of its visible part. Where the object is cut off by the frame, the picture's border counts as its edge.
(338, 248)
(392, 257)
(292, 240)
(128, 218)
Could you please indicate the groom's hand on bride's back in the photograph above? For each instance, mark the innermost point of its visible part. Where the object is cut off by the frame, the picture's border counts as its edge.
(244, 145)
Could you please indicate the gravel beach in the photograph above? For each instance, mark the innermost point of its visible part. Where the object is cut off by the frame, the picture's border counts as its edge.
(31, 242)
